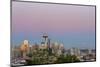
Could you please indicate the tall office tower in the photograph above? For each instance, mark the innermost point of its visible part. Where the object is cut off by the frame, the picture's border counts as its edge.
(52, 47)
(48, 42)
(24, 48)
(49, 46)
(56, 47)
(61, 46)
(45, 40)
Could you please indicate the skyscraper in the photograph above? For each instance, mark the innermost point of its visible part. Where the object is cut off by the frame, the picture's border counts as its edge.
(24, 48)
(49, 43)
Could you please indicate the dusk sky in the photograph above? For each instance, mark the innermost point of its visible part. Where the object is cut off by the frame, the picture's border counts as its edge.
(72, 25)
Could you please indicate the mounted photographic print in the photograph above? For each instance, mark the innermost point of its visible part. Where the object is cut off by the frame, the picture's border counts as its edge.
(52, 33)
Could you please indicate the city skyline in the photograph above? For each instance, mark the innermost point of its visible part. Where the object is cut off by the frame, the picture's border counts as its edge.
(74, 26)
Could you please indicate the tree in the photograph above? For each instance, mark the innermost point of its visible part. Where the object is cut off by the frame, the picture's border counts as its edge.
(67, 59)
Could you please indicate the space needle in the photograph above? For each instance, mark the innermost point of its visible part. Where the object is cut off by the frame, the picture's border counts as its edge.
(45, 40)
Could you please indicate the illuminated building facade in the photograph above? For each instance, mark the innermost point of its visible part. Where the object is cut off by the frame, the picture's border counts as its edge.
(24, 48)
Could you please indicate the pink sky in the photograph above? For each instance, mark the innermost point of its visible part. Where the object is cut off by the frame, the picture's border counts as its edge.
(52, 17)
